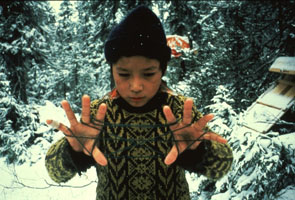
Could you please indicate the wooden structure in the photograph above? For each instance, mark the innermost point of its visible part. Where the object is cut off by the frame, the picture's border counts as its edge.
(276, 100)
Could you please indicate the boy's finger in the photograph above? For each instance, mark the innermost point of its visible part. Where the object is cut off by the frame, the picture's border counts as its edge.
(99, 157)
(169, 116)
(101, 112)
(88, 148)
(171, 156)
(59, 126)
(54, 124)
(194, 145)
(214, 137)
(85, 115)
(187, 111)
(201, 123)
(70, 114)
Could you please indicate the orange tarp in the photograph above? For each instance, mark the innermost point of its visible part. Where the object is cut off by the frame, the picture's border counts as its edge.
(176, 42)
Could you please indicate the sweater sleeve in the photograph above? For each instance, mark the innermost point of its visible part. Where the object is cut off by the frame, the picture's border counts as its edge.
(63, 163)
(212, 159)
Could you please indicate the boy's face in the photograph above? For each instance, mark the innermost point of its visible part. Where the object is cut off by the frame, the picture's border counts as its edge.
(137, 79)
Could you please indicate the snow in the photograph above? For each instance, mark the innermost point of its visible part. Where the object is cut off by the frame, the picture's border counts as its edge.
(261, 117)
(50, 111)
(55, 5)
(287, 193)
(288, 140)
(220, 196)
(29, 182)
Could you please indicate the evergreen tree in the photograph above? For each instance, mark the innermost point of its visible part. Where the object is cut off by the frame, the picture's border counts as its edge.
(126, 6)
(237, 43)
(190, 19)
(43, 43)
(23, 38)
(24, 42)
(249, 37)
(95, 72)
(225, 116)
(66, 68)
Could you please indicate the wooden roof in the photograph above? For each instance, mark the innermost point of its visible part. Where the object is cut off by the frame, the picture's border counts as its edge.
(284, 65)
(276, 100)
(270, 107)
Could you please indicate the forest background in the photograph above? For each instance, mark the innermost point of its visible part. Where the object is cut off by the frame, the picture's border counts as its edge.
(46, 58)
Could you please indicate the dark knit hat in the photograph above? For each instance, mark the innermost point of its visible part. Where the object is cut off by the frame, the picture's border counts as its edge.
(140, 33)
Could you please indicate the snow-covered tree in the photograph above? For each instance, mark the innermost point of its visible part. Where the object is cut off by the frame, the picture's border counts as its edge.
(17, 123)
(225, 117)
(66, 76)
(94, 71)
(24, 42)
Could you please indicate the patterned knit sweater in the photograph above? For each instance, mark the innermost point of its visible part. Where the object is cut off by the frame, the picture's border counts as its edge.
(136, 149)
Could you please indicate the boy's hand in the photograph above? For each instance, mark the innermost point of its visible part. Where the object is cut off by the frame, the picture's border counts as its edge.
(188, 131)
(86, 132)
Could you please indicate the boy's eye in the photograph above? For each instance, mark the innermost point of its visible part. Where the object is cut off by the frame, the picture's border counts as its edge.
(149, 74)
(124, 74)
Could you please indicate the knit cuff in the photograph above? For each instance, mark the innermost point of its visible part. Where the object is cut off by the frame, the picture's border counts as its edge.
(58, 162)
(210, 158)
(189, 159)
(80, 160)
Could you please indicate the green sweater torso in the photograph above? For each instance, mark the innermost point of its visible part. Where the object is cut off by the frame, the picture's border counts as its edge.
(136, 149)
(137, 170)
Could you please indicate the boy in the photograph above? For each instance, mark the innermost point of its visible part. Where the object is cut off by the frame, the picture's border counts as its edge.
(141, 136)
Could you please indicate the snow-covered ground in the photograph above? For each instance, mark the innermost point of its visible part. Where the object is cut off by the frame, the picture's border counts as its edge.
(31, 181)
(27, 182)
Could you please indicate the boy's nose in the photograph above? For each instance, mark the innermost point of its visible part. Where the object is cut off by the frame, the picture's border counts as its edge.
(136, 85)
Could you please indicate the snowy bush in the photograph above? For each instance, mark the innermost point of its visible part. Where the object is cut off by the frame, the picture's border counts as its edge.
(263, 164)
(20, 130)
(256, 165)
(18, 123)
(262, 167)
(24, 136)
(225, 117)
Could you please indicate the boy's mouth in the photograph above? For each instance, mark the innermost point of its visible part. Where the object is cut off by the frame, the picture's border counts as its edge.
(136, 98)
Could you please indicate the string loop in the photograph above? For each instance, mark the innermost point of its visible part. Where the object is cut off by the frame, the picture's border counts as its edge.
(100, 126)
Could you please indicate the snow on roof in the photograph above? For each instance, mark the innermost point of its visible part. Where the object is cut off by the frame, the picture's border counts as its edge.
(275, 101)
(260, 118)
(284, 65)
